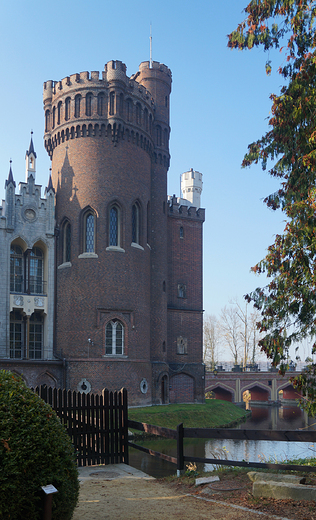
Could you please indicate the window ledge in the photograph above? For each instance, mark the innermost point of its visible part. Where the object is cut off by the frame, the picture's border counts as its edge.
(88, 255)
(115, 356)
(137, 246)
(64, 265)
(116, 248)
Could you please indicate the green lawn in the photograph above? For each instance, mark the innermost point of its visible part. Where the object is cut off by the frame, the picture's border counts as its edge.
(213, 414)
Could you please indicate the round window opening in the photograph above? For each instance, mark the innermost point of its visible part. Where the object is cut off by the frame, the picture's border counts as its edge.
(84, 386)
(143, 386)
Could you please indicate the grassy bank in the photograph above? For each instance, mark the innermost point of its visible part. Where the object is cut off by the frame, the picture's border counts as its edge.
(213, 414)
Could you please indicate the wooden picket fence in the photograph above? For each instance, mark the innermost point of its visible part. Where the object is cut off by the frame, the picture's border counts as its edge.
(97, 424)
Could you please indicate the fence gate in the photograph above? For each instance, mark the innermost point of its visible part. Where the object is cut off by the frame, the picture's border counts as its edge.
(97, 424)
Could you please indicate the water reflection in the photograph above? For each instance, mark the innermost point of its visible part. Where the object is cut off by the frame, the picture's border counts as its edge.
(286, 417)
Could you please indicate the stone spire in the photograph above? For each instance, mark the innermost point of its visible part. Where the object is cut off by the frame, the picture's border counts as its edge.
(30, 158)
(10, 179)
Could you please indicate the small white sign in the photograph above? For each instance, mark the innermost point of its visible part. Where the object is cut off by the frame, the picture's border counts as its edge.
(49, 489)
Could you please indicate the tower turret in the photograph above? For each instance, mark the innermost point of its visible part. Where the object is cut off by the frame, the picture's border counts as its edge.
(191, 187)
(157, 79)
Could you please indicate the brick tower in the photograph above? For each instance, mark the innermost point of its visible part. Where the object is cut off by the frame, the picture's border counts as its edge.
(108, 138)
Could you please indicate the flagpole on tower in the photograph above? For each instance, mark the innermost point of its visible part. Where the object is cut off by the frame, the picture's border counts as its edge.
(151, 50)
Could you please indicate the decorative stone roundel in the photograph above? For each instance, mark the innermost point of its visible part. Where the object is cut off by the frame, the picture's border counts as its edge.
(29, 214)
(143, 386)
(84, 386)
(18, 300)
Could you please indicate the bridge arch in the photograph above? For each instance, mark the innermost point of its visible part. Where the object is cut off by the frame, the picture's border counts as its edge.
(222, 391)
(258, 391)
(288, 392)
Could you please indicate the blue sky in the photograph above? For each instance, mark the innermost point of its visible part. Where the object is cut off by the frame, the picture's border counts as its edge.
(219, 104)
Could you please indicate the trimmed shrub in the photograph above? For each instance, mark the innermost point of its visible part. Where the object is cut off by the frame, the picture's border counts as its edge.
(35, 451)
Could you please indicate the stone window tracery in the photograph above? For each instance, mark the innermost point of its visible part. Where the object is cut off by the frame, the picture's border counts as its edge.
(114, 338)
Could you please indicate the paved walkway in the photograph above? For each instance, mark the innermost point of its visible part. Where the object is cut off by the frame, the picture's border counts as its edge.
(111, 472)
(120, 492)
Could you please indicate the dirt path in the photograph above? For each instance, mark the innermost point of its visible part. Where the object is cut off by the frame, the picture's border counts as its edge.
(141, 499)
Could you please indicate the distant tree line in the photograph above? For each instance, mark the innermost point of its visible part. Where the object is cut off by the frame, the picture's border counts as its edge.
(234, 333)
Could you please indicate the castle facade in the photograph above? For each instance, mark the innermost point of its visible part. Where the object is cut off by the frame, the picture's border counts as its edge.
(102, 279)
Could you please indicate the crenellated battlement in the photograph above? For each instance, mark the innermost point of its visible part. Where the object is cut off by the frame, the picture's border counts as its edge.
(184, 211)
(155, 66)
(90, 98)
(113, 71)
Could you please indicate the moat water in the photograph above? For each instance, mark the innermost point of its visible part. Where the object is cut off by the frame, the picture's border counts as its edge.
(286, 417)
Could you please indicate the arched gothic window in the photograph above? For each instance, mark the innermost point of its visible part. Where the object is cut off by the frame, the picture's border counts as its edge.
(34, 271)
(67, 109)
(165, 133)
(138, 113)
(146, 119)
(129, 110)
(88, 104)
(181, 290)
(114, 228)
(121, 105)
(16, 269)
(89, 232)
(77, 105)
(101, 104)
(54, 117)
(114, 338)
(135, 224)
(181, 232)
(112, 99)
(67, 242)
(59, 113)
(47, 120)
(158, 135)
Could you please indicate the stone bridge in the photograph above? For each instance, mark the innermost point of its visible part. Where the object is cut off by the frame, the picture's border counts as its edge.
(237, 387)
